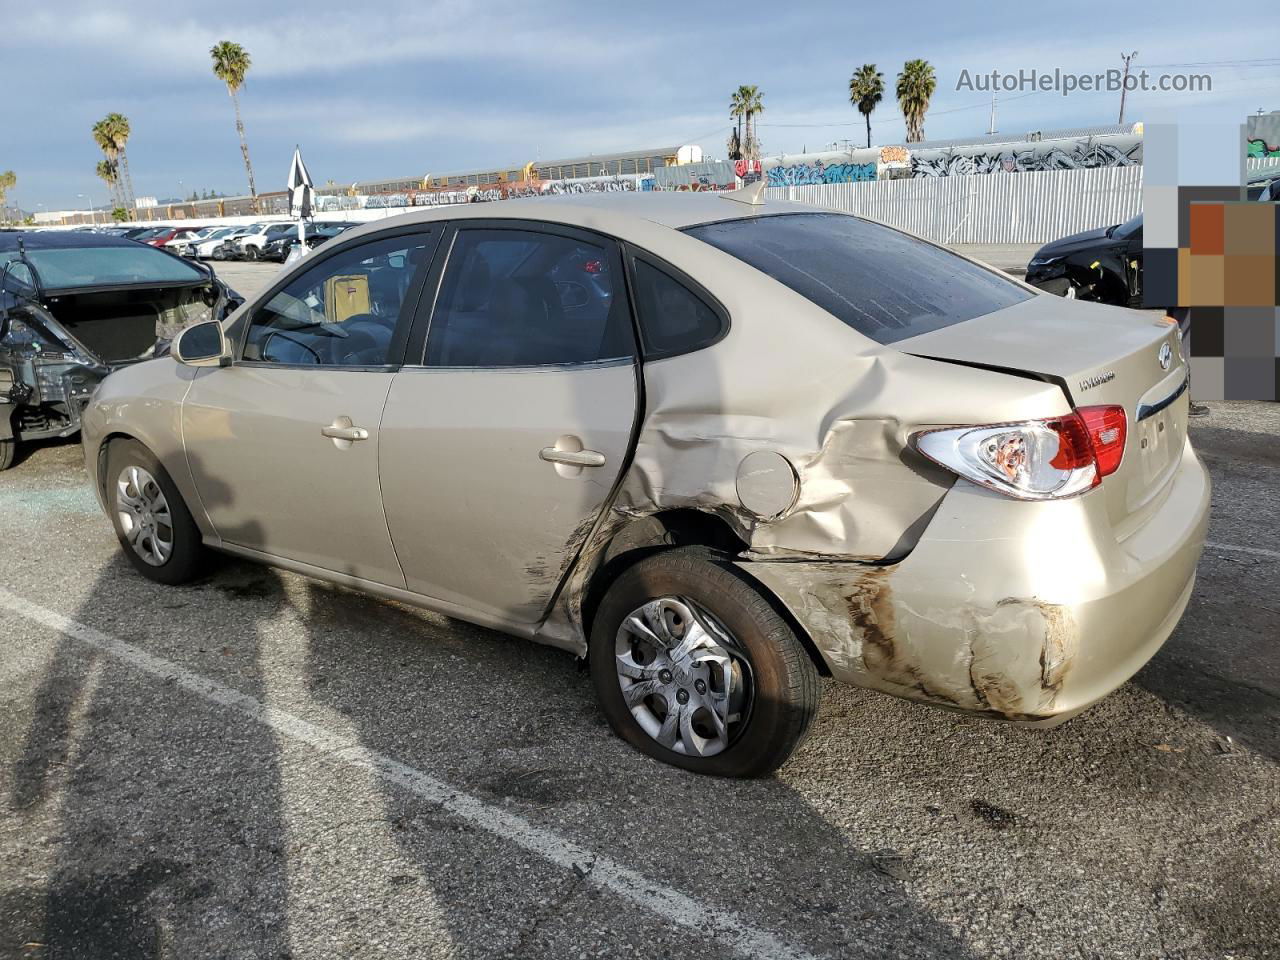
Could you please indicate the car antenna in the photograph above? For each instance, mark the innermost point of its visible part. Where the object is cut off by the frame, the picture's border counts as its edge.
(752, 193)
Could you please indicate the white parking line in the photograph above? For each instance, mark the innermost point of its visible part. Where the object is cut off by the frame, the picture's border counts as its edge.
(667, 904)
(1232, 548)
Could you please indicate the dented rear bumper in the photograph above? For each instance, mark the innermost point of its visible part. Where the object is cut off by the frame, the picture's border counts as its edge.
(1025, 611)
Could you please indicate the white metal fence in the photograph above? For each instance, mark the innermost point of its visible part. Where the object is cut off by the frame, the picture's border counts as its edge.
(988, 208)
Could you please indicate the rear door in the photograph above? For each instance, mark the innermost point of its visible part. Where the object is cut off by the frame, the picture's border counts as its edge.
(510, 422)
(283, 444)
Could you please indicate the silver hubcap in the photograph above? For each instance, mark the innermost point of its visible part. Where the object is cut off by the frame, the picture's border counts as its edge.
(683, 677)
(144, 515)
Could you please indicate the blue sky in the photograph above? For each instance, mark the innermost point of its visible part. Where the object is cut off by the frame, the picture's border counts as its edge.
(391, 89)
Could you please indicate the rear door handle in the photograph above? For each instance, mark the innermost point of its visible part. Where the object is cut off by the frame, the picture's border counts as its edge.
(577, 458)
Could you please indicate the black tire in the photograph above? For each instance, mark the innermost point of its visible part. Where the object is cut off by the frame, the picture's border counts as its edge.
(786, 690)
(251, 253)
(189, 556)
(8, 453)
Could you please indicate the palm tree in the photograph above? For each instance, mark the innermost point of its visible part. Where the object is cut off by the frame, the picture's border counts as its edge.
(749, 101)
(866, 90)
(916, 84)
(737, 109)
(8, 180)
(108, 172)
(102, 136)
(734, 144)
(230, 64)
(118, 129)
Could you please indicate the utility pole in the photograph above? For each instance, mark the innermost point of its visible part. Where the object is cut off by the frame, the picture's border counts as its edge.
(991, 127)
(1124, 84)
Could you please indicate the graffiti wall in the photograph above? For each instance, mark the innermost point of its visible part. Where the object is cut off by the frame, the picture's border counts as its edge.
(809, 174)
(841, 166)
(1085, 154)
(497, 191)
(704, 175)
(1262, 135)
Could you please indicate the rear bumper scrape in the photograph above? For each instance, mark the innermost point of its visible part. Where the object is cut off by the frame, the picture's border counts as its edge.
(1012, 626)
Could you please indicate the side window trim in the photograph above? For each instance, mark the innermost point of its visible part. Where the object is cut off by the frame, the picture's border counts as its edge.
(416, 348)
(395, 358)
(634, 254)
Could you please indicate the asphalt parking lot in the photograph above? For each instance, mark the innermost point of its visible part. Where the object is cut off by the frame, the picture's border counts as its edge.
(258, 765)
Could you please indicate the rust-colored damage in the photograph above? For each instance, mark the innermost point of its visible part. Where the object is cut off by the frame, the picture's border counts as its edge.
(1007, 660)
(871, 612)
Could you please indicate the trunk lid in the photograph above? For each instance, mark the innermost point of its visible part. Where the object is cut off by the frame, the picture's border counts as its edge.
(1098, 355)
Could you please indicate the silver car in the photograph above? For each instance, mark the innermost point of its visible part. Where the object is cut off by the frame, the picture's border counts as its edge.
(718, 446)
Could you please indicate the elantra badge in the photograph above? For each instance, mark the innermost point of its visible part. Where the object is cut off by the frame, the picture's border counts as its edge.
(1088, 383)
(1165, 356)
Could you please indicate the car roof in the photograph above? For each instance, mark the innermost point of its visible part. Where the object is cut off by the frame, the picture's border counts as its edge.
(62, 240)
(611, 213)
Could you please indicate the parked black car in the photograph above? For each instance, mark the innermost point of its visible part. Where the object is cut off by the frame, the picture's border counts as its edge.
(75, 306)
(316, 234)
(1103, 265)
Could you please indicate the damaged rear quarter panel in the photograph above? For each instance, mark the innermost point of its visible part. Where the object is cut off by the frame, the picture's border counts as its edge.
(1006, 658)
(792, 379)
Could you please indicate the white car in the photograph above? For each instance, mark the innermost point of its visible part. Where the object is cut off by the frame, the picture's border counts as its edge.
(252, 243)
(203, 249)
(182, 243)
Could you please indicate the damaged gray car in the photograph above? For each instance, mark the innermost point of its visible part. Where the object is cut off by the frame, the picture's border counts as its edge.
(718, 446)
(73, 307)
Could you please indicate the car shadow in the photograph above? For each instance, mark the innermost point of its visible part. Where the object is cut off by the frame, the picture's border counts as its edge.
(516, 725)
(158, 815)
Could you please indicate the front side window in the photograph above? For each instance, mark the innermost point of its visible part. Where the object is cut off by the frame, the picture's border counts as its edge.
(516, 298)
(886, 284)
(344, 310)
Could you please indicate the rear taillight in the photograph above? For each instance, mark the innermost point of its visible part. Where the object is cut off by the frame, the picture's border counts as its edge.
(1033, 459)
(1108, 427)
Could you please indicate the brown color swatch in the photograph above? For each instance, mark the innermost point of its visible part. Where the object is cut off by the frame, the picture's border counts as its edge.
(1206, 233)
(1249, 229)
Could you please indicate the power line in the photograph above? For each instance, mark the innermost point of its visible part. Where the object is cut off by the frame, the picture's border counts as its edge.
(932, 113)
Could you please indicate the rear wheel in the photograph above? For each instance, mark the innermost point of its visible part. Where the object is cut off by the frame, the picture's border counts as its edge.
(694, 666)
(154, 526)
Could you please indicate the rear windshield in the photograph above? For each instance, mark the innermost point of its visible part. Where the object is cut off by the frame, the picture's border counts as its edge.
(69, 267)
(883, 283)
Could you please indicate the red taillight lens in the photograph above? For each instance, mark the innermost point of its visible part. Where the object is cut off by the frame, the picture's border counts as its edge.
(1033, 459)
(593, 266)
(1107, 426)
(1074, 449)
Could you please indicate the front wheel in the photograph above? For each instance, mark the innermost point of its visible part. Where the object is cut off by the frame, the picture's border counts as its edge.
(694, 666)
(154, 526)
(8, 452)
(251, 253)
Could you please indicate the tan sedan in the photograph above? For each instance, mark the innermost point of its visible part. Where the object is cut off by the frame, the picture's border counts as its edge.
(718, 446)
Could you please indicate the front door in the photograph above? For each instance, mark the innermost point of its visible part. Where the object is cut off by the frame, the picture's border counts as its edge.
(502, 442)
(283, 443)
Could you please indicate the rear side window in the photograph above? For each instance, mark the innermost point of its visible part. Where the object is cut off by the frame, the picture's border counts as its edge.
(883, 283)
(673, 319)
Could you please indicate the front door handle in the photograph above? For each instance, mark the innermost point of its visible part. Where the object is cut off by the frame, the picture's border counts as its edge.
(343, 433)
(576, 458)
